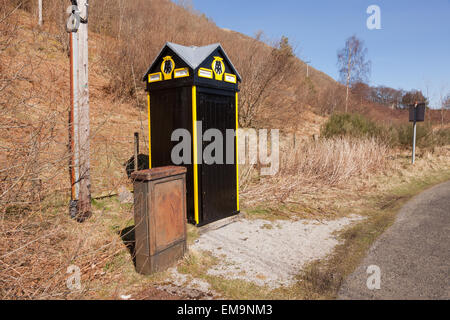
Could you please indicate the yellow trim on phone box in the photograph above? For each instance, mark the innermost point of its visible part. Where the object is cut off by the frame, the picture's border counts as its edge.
(181, 69)
(237, 154)
(210, 72)
(154, 74)
(195, 164)
(230, 75)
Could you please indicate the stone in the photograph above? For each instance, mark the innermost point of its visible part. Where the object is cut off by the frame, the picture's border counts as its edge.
(125, 196)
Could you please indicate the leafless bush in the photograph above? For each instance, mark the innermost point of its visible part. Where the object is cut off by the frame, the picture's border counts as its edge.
(29, 160)
(265, 70)
(27, 125)
(36, 251)
(132, 33)
(38, 241)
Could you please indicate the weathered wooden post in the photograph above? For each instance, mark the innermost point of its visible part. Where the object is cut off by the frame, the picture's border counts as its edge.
(72, 27)
(83, 89)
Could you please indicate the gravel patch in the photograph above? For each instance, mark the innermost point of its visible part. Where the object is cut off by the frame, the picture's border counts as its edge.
(269, 253)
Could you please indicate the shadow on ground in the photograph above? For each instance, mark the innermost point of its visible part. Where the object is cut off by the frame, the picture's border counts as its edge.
(128, 237)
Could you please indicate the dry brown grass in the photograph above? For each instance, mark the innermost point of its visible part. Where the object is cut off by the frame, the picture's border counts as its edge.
(318, 164)
(334, 161)
(37, 250)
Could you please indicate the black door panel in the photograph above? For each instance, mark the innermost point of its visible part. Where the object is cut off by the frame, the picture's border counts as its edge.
(218, 180)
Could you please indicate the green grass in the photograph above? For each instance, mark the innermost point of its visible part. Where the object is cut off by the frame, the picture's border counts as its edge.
(273, 212)
(192, 233)
(350, 124)
(396, 135)
(197, 265)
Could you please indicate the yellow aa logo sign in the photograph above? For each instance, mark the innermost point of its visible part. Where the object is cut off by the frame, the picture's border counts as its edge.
(218, 67)
(167, 67)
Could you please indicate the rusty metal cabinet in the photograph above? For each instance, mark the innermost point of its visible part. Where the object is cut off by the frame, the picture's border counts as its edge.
(160, 217)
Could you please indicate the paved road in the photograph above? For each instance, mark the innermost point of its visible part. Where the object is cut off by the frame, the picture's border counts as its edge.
(413, 254)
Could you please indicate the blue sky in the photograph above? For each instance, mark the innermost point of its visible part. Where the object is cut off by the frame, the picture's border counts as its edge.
(411, 51)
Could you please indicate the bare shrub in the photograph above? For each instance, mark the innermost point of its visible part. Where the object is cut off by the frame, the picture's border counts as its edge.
(38, 241)
(266, 71)
(36, 251)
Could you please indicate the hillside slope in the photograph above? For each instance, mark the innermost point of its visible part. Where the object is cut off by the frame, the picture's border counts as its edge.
(275, 90)
(36, 96)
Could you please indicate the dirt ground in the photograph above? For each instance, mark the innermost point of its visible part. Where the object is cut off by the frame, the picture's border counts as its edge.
(266, 253)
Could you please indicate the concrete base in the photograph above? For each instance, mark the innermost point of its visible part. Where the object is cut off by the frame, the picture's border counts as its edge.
(219, 224)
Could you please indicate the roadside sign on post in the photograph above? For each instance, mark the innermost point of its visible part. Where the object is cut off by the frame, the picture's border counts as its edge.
(416, 114)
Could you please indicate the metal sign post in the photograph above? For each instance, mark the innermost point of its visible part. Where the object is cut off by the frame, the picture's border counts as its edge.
(416, 114)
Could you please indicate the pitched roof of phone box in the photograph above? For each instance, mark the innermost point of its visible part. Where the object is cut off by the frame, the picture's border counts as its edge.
(193, 56)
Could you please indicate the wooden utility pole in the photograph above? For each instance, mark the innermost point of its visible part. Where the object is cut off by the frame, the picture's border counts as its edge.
(73, 125)
(40, 12)
(84, 205)
(80, 207)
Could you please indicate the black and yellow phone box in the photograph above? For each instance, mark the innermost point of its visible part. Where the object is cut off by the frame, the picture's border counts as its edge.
(196, 89)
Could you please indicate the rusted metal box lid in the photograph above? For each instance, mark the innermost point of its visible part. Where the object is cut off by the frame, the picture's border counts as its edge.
(157, 173)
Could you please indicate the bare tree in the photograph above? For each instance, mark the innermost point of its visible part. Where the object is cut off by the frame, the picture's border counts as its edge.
(387, 96)
(264, 71)
(445, 104)
(353, 64)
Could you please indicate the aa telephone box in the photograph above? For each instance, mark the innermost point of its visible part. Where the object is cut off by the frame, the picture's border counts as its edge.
(196, 89)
